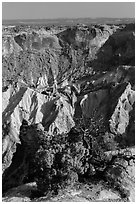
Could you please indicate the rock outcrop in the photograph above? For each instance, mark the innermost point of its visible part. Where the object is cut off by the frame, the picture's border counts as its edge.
(120, 118)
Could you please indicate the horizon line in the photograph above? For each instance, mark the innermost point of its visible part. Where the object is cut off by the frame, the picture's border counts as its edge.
(61, 18)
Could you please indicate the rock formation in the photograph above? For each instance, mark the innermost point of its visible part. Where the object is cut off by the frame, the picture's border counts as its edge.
(76, 81)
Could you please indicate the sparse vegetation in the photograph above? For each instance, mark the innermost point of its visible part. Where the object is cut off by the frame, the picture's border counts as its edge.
(61, 160)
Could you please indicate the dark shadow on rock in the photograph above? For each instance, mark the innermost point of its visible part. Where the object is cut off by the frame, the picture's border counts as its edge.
(50, 112)
(119, 49)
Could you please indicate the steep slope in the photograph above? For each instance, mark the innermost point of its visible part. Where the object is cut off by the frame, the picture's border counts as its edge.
(120, 118)
(118, 50)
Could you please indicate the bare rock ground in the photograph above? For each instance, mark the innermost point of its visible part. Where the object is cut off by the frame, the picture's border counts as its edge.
(83, 193)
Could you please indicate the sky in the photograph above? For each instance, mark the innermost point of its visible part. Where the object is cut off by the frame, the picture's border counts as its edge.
(47, 10)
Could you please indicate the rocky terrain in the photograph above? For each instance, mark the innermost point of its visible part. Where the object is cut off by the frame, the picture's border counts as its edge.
(68, 116)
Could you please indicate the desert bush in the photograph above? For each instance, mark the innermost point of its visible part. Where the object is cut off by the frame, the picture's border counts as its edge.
(58, 162)
(62, 159)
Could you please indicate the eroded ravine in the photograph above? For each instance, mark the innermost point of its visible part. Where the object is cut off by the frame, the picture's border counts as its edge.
(77, 85)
